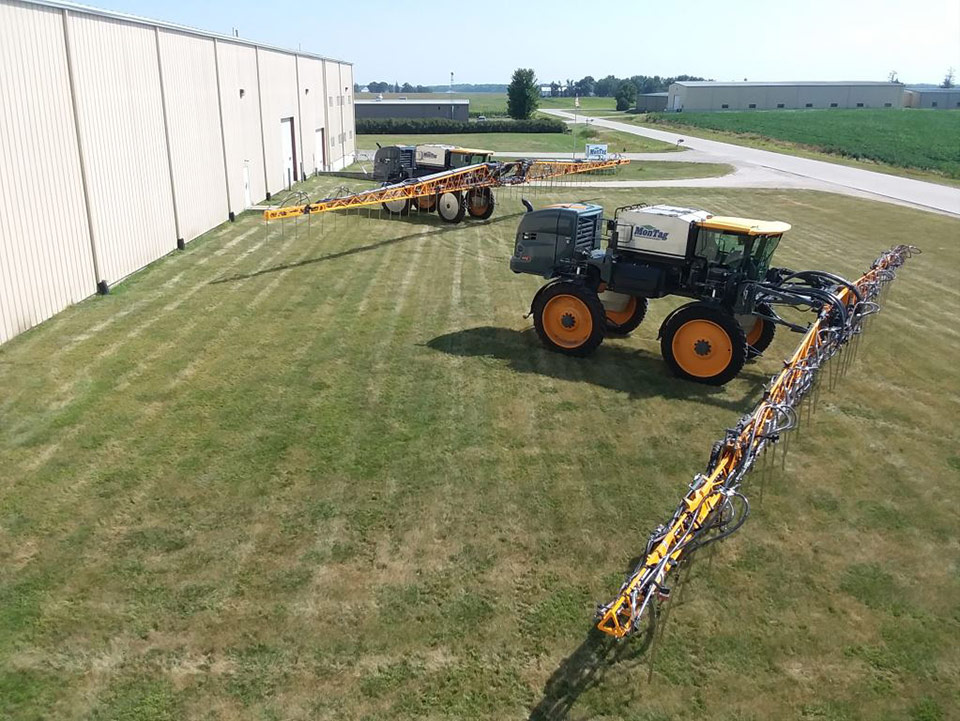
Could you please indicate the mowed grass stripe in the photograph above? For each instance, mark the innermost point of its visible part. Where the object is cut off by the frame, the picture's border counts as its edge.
(261, 536)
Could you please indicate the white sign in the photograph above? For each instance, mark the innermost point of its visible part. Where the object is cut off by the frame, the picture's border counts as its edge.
(596, 152)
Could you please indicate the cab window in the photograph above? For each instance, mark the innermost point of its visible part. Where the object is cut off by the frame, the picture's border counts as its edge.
(721, 248)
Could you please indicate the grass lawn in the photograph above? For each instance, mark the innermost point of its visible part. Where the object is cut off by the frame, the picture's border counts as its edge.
(495, 104)
(921, 143)
(324, 470)
(618, 141)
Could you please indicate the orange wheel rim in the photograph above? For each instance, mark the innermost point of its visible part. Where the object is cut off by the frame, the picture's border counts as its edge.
(622, 316)
(753, 335)
(567, 321)
(426, 202)
(702, 348)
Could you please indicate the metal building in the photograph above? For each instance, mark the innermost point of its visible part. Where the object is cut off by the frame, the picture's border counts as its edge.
(458, 109)
(123, 138)
(651, 102)
(709, 95)
(940, 98)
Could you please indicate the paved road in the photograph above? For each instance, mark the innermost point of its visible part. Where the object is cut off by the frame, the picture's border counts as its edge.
(763, 168)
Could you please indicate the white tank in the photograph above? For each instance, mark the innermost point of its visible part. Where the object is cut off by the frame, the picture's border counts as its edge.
(659, 229)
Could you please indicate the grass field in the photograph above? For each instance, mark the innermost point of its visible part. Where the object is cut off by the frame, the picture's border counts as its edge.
(923, 139)
(530, 142)
(323, 470)
(495, 104)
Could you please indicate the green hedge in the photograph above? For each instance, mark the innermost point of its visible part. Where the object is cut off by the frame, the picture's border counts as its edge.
(405, 126)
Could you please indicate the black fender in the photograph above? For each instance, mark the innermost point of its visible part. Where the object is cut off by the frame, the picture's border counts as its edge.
(552, 282)
(676, 310)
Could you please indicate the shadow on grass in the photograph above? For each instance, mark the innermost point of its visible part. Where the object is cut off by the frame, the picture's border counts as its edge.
(627, 370)
(424, 222)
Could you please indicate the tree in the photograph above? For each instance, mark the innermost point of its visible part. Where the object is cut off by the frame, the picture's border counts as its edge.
(626, 95)
(407, 88)
(424, 89)
(396, 86)
(606, 87)
(554, 89)
(523, 95)
(356, 88)
(585, 86)
(948, 79)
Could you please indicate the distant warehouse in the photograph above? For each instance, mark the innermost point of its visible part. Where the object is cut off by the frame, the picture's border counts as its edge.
(458, 109)
(707, 95)
(651, 102)
(943, 98)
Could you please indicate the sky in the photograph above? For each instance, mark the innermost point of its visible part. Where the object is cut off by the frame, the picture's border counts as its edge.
(560, 39)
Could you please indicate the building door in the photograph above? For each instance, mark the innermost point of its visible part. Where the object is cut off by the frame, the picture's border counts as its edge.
(321, 149)
(676, 102)
(288, 152)
(246, 186)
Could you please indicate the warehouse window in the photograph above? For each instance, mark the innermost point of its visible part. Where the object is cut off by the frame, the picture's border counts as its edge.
(890, 105)
(859, 105)
(331, 101)
(333, 142)
(808, 105)
(933, 104)
(724, 106)
(350, 134)
(779, 105)
(958, 103)
(833, 105)
(752, 106)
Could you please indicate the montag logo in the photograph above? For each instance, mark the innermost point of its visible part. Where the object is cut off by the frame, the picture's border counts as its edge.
(648, 231)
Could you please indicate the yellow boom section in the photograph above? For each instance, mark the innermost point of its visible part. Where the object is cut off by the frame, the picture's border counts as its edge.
(482, 175)
(700, 510)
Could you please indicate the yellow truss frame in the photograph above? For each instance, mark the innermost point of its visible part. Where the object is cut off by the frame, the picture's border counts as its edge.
(703, 499)
(483, 175)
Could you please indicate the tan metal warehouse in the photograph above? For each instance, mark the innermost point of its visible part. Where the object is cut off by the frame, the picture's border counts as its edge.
(939, 98)
(122, 138)
(709, 95)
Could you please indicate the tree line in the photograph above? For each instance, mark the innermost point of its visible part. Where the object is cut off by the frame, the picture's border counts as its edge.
(523, 93)
(378, 87)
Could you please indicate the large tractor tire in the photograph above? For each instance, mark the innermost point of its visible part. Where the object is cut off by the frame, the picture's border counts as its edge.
(759, 332)
(480, 203)
(622, 322)
(702, 343)
(425, 203)
(451, 207)
(397, 207)
(569, 318)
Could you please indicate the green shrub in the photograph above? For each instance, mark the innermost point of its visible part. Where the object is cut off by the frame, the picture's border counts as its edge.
(443, 126)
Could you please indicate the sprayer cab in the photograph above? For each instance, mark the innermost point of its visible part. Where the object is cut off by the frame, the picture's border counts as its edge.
(720, 262)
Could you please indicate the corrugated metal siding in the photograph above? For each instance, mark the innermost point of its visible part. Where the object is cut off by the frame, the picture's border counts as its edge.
(49, 259)
(241, 121)
(349, 113)
(193, 121)
(278, 95)
(334, 108)
(311, 111)
(121, 121)
(45, 260)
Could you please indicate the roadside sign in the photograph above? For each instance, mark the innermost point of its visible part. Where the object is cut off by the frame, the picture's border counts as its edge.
(596, 152)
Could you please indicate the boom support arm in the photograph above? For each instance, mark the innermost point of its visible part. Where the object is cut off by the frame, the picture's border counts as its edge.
(483, 175)
(714, 507)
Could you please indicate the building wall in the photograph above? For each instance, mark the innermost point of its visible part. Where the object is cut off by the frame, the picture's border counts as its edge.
(189, 75)
(774, 97)
(237, 65)
(939, 99)
(334, 93)
(133, 137)
(120, 114)
(651, 103)
(401, 109)
(45, 258)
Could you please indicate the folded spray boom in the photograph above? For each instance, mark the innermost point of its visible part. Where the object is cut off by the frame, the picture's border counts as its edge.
(714, 507)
